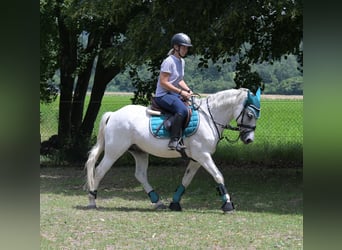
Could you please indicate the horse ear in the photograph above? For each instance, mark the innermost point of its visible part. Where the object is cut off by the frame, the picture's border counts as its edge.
(258, 93)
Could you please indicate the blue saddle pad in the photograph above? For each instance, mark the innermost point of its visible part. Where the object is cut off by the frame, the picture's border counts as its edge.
(157, 120)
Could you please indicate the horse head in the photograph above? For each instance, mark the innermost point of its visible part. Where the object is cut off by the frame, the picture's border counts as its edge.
(248, 116)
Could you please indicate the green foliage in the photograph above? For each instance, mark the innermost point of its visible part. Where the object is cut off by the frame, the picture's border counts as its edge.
(220, 30)
(219, 76)
(144, 88)
(244, 78)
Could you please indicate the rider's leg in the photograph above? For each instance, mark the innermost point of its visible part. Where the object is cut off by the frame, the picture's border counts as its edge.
(174, 105)
(178, 124)
(176, 132)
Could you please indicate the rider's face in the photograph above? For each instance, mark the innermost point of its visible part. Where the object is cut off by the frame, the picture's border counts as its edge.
(183, 50)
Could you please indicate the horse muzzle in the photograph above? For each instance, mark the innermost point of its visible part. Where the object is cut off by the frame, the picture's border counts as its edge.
(247, 137)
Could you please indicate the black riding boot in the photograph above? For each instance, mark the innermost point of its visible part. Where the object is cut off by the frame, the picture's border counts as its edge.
(176, 133)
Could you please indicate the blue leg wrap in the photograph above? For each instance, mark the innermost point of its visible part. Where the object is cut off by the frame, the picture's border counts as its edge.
(178, 193)
(154, 197)
(222, 191)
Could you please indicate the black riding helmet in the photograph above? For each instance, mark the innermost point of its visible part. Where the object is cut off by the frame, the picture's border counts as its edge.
(181, 39)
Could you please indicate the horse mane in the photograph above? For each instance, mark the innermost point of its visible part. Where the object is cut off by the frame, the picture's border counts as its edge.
(228, 97)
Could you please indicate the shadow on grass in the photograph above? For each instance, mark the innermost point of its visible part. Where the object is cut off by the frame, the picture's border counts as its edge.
(118, 209)
(144, 210)
(278, 191)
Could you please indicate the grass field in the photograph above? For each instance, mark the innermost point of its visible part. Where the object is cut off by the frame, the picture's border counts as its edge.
(269, 211)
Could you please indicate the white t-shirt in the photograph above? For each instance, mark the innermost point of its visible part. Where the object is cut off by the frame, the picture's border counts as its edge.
(175, 67)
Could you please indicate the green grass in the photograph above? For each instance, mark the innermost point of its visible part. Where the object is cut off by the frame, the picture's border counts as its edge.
(269, 211)
(278, 136)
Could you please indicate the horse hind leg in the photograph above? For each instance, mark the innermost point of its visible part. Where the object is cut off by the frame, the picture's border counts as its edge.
(99, 172)
(141, 165)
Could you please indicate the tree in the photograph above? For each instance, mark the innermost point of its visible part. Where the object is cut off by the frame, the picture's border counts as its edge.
(48, 65)
(84, 35)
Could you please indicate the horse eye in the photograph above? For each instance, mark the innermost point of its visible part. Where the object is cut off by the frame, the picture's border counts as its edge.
(250, 114)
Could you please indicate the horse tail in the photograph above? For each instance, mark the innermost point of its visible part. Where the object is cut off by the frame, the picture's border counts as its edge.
(96, 151)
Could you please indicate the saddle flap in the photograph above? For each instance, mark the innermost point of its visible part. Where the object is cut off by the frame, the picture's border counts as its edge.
(160, 129)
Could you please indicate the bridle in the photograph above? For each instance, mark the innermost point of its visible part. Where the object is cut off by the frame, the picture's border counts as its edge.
(243, 128)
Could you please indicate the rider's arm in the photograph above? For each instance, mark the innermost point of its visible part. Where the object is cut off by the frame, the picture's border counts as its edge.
(185, 87)
(164, 81)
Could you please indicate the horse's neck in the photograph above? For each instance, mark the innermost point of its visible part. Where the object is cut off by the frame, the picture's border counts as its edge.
(227, 105)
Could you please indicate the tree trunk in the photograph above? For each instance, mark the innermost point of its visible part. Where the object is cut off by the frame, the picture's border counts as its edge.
(67, 62)
(102, 77)
(82, 137)
(82, 86)
(79, 97)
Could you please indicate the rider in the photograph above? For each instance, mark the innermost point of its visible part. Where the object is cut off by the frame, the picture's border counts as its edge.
(171, 87)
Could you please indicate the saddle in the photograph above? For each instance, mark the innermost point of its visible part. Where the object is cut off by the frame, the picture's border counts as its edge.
(161, 120)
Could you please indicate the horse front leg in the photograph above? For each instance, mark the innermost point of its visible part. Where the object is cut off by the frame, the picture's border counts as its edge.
(228, 205)
(187, 178)
(209, 165)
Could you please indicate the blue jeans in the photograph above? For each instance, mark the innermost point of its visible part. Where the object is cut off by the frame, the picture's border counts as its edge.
(173, 104)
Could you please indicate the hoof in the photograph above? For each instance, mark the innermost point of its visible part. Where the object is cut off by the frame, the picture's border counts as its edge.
(175, 206)
(91, 207)
(159, 206)
(228, 207)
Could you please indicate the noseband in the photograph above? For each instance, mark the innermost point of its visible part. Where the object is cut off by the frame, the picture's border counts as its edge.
(241, 125)
(243, 128)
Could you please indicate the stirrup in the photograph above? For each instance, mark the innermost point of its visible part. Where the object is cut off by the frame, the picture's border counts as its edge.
(173, 144)
(176, 144)
(180, 145)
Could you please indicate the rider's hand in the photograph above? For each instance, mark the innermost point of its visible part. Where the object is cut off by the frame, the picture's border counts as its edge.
(185, 94)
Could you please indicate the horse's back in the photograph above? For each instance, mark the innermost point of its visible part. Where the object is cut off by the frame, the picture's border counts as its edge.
(127, 116)
(130, 111)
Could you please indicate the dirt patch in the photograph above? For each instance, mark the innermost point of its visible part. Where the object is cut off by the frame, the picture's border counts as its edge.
(282, 97)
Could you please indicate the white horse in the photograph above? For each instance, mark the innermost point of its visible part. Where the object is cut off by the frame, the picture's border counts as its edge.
(127, 129)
